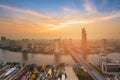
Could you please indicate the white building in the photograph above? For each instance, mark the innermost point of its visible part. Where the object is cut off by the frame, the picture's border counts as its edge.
(63, 77)
(112, 68)
(25, 44)
(32, 43)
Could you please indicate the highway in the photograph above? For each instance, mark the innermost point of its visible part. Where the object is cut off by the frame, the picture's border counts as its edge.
(95, 74)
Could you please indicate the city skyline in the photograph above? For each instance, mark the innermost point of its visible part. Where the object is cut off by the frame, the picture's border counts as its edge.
(65, 18)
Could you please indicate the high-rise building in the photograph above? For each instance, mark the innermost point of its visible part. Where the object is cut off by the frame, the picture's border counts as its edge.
(5, 42)
(84, 39)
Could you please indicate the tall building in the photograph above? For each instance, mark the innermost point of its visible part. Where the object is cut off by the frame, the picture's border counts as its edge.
(84, 39)
(5, 42)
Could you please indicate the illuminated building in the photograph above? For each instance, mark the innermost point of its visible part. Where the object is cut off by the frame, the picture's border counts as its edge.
(84, 39)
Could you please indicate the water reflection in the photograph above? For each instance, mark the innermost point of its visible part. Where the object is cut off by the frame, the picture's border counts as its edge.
(24, 56)
(57, 58)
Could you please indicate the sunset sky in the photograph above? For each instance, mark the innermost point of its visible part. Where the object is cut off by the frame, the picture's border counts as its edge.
(59, 18)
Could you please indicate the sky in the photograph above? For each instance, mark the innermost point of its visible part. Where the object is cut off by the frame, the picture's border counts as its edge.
(59, 18)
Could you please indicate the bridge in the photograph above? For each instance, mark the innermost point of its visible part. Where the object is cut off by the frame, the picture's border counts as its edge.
(94, 73)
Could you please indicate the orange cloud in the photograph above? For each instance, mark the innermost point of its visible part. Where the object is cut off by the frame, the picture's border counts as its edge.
(52, 22)
(30, 12)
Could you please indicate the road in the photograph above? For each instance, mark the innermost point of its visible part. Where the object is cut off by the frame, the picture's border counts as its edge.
(70, 73)
(94, 73)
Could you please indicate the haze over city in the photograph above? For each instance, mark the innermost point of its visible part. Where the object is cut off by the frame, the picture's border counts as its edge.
(59, 18)
(59, 39)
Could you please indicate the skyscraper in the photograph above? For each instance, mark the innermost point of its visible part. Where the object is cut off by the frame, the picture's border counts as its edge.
(84, 38)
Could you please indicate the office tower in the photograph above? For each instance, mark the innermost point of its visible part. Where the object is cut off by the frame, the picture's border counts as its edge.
(84, 38)
(5, 42)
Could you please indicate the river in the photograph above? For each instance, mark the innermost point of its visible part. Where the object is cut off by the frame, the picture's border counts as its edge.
(38, 59)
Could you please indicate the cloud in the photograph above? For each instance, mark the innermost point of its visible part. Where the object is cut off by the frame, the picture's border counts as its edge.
(67, 17)
(89, 7)
(30, 12)
(76, 16)
(88, 15)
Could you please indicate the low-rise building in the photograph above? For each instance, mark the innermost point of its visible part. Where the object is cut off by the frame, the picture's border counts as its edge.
(112, 68)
